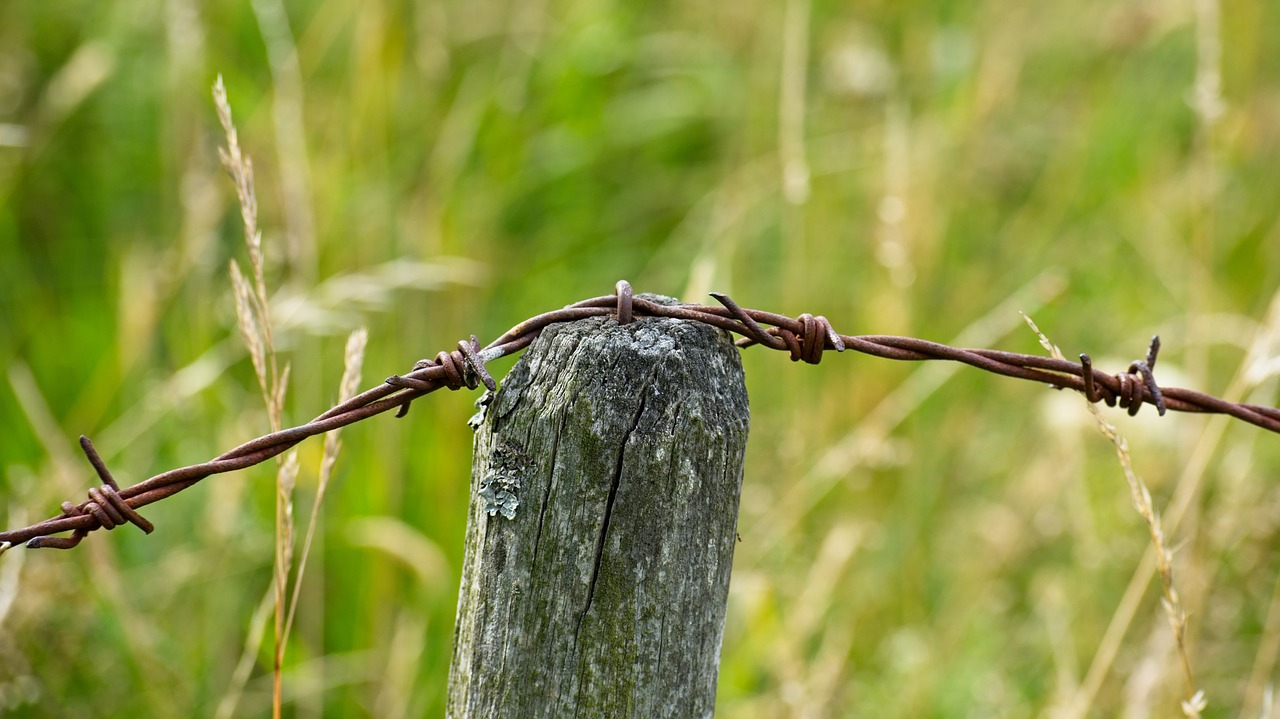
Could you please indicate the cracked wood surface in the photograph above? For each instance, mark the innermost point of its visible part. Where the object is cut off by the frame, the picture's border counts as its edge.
(604, 594)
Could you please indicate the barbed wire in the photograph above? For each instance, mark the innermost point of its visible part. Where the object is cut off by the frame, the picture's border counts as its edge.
(805, 337)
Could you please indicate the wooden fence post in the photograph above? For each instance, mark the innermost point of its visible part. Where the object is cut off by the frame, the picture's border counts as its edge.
(604, 512)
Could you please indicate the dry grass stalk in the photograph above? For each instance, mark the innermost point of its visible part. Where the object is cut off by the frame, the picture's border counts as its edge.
(353, 363)
(286, 476)
(1141, 497)
(253, 318)
(247, 323)
(286, 480)
(251, 298)
(241, 169)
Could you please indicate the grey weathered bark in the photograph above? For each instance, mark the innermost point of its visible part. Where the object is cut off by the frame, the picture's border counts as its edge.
(601, 535)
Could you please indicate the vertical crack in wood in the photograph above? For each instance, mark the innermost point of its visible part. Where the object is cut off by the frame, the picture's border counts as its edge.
(608, 510)
(593, 406)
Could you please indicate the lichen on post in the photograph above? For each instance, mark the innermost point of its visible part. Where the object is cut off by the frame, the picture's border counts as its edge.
(602, 526)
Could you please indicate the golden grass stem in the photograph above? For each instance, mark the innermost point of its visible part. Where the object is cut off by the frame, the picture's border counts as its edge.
(253, 319)
(1195, 702)
(286, 479)
(353, 364)
(1187, 488)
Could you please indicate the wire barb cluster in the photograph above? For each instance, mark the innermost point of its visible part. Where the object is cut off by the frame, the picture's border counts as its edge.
(804, 337)
(1129, 395)
(462, 368)
(105, 505)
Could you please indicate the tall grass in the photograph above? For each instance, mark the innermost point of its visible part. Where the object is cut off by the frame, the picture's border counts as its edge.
(1195, 703)
(917, 540)
(253, 319)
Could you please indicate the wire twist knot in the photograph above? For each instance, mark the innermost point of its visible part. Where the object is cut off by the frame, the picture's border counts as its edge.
(812, 340)
(1133, 387)
(460, 368)
(108, 509)
(815, 333)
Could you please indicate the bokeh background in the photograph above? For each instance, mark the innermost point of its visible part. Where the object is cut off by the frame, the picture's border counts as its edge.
(917, 540)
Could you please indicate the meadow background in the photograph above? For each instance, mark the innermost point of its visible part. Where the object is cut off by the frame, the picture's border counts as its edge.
(917, 540)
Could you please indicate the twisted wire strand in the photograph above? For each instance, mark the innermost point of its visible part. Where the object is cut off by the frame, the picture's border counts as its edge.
(804, 338)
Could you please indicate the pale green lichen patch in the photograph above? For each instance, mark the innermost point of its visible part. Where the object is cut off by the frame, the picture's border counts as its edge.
(500, 495)
(500, 487)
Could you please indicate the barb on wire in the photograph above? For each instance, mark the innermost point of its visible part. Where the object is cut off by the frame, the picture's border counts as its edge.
(804, 337)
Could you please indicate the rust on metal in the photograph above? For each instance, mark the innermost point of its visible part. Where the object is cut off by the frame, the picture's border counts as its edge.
(623, 292)
(804, 337)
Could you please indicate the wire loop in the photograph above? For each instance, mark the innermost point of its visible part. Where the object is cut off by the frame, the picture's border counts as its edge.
(107, 508)
(463, 367)
(815, 334)
(623, 292)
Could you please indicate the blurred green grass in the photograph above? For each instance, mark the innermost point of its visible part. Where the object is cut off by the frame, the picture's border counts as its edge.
(917, 541)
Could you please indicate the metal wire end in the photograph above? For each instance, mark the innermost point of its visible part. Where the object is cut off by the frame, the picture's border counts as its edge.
(452, 379)
(470, 352)
(105, 503)
(57, 542)
(836, 342)
(1153, 389)
(96, 460)
(1086, 374)
(623, 291)
(753, 329)
(396, 380)
(1153, 351)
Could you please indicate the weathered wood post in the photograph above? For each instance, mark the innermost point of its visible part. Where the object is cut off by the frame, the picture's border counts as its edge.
(601, 535)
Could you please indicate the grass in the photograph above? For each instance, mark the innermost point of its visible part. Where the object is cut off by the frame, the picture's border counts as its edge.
(1195, 703)
(917, 540)
(253, 319)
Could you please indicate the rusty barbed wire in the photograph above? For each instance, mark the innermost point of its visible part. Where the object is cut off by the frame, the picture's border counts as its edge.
(805, 338)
